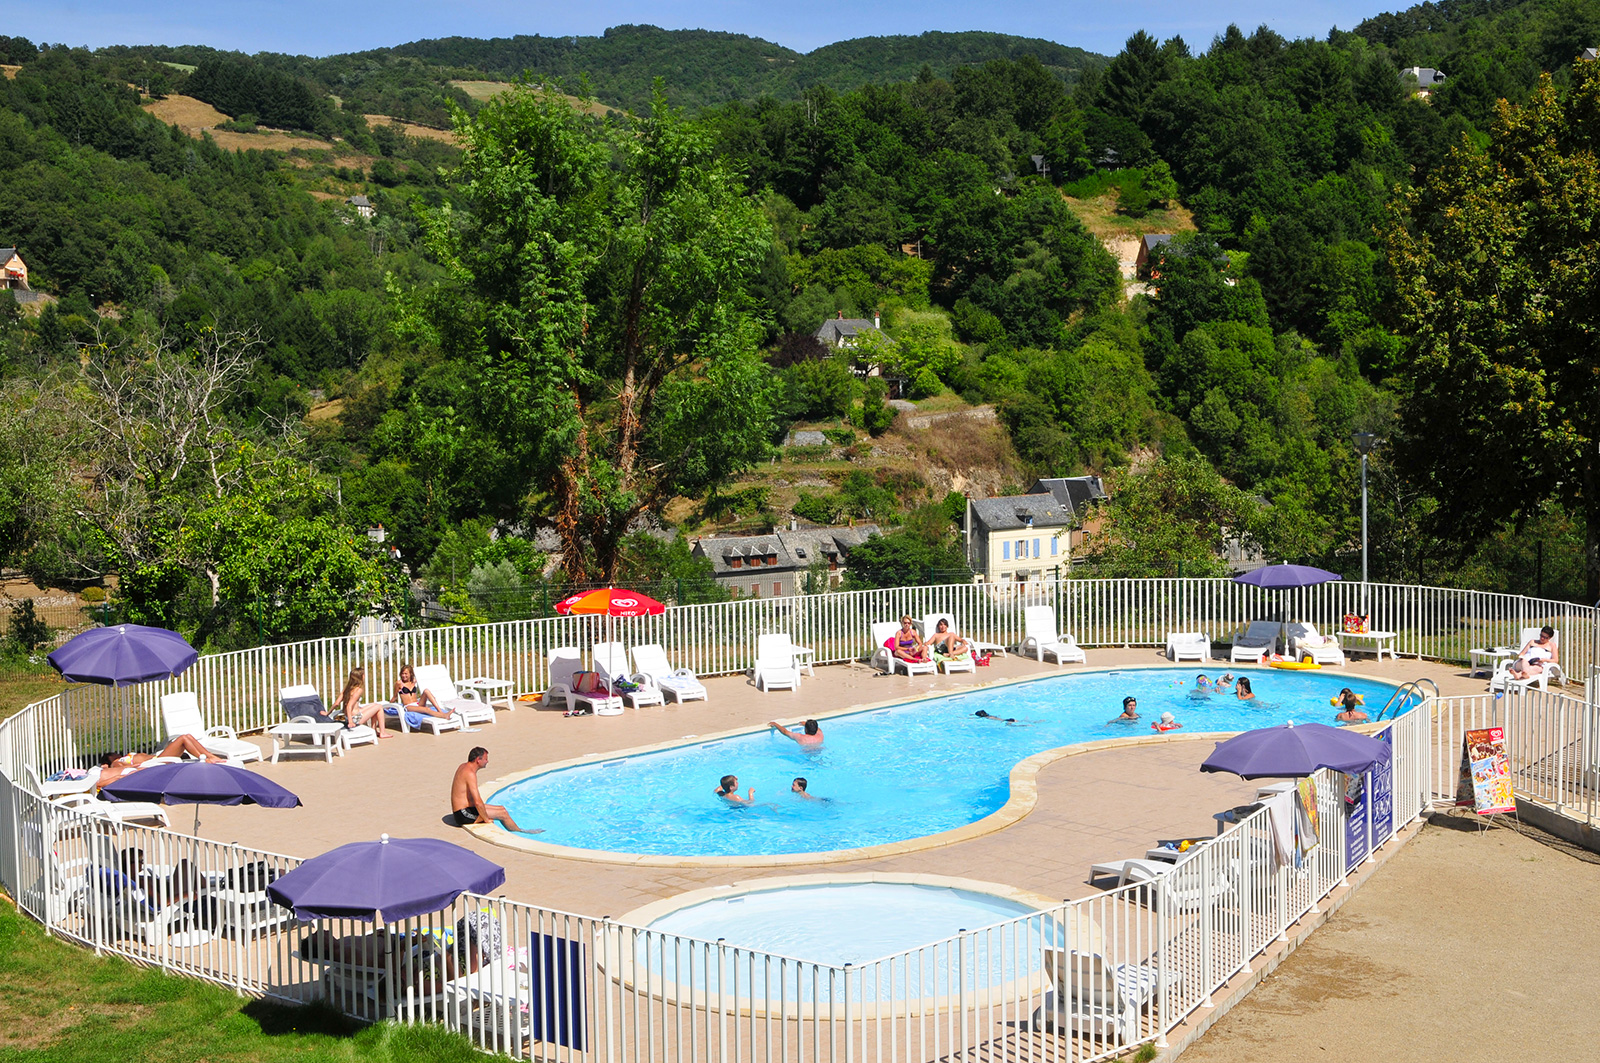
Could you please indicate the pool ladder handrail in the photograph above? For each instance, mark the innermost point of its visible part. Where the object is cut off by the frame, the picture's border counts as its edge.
(1412, 686)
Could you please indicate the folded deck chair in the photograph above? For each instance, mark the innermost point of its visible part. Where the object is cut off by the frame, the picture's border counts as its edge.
(883, 656)
(303, 708)
(436, 678)
(775, 668)
(650, 661)
(611, 661)
(965, 662)
(1188, 646)
(1091, 997)
(1040, 638)
(180, 713)
(1304, 641)
(1257, 640)
(118, 812)
(575, 688)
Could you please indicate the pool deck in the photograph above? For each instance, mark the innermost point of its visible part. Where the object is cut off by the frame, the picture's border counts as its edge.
(1095, 806)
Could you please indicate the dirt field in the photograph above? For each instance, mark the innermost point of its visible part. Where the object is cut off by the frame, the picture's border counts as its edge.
(422, 132)
(1464, 947)
(483, 90)
(9, 70)
(196, 116)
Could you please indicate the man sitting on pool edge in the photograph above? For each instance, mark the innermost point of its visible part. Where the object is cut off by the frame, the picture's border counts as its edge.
(466, 802)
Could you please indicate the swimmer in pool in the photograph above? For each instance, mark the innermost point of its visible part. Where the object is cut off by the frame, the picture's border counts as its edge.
(1130, 710)
(809, 736)
(798, 788)
(1168, 723)
(1350, 707)
(1223, 682)
(1243, 691)
(985, 714)
(729, 791)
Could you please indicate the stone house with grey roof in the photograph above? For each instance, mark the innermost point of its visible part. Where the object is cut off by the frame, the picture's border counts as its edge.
(1031, 536)
(775, 565)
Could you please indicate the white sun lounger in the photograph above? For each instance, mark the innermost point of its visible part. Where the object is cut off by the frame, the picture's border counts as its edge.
(52, 790)
(1040, 638)
(180, 713)
(650, 661)
(436, 678)
(967, 662)
(1091, 997)
(1256, 641)
(611, 661)
(565, 664)
(775, 667)
(1304, 641)
(883, 657)
(1188, 646)
(118, 812)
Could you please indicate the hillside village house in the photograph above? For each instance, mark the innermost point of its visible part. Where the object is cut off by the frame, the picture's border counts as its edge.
(13, 271)
(775, 565)
(1031, 536)
(1426, 77)
(842, 331)
(1147, 251)
(363, 206)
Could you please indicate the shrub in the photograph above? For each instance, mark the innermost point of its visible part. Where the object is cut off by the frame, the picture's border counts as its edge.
(27, 630)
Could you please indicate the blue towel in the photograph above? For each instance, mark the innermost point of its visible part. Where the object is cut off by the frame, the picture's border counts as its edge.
(413, 719)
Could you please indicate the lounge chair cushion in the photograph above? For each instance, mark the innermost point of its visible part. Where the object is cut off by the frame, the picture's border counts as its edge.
(307, 705)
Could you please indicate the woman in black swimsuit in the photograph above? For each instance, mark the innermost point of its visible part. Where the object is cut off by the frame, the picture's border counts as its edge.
(408, 696)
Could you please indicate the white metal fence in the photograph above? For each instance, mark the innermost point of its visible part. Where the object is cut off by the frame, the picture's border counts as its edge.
(1081, 981)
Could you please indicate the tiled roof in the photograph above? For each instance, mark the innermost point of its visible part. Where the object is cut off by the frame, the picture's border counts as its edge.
(790, 550)
(1074, 492)
(835, 329)
(1009, 512)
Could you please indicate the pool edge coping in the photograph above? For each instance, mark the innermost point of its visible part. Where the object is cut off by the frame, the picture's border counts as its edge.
(1022, 779)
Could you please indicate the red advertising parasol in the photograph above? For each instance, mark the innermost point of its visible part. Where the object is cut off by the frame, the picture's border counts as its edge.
(609, 602)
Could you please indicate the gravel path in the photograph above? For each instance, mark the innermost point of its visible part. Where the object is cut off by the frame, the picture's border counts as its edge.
(1466, 946)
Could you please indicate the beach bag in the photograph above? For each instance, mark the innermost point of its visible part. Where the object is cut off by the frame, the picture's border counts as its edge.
(982, 660)
(1354, 624)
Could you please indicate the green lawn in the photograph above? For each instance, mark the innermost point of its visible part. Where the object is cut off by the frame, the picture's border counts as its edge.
(61, 1004)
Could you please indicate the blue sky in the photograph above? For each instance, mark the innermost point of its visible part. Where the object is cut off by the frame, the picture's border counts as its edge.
(321, 27)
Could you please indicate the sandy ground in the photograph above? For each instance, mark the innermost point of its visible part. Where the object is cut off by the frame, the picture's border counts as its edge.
(412, 129)
(1464, 946)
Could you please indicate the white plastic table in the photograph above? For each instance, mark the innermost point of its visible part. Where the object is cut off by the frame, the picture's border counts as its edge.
(805, 659)
(326, 739)
(1485, 660)
(489, 688)
(1382, 641)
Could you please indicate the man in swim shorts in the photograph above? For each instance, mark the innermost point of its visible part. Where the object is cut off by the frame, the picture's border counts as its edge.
(811, 737)
(466, 802)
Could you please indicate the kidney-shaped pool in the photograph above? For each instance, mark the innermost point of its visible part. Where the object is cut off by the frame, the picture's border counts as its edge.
(884, 775)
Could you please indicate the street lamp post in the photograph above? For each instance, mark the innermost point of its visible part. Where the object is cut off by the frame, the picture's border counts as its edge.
(1366, 443)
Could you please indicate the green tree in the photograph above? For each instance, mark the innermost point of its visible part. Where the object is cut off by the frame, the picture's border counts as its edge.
(1497, 260)
(1179, 515)
(905, 558)
(598, 285)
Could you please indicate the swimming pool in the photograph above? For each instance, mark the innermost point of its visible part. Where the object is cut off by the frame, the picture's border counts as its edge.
(701, 942)
(883, 775)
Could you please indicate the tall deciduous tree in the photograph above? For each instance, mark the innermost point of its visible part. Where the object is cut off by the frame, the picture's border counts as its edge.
(599, 272)
(1498, 261)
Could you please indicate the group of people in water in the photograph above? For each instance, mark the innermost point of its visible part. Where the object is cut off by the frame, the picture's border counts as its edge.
(808, 738)
(1348, 701)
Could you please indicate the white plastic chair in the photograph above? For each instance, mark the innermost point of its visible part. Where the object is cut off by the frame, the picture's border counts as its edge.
(52, 790)
(1257, 640)
(650, 661)
(118, 812)
(1304, 641)
(967, 662)
(1092, 997)
(1188, 646)
(180, 713)
(775, 668)
(1040, 638)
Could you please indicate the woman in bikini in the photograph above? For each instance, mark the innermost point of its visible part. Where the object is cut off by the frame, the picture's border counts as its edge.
(114, 766)
(1535, 654)
(908, 645)
(408, 697)
(355, 713)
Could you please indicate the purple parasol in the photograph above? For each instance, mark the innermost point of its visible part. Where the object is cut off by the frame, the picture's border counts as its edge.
(1292, 750)
(390, 879)
(199, 783)
(1284, 576)
(123, 655)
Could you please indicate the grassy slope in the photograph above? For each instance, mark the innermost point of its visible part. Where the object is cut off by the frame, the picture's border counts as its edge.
(61, 1004)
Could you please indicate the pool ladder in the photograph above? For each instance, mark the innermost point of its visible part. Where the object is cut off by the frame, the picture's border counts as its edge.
(1422, 688)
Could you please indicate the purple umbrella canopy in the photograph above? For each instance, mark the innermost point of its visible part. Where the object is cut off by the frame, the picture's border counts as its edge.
(123, 655)
(1293, 750)
(1284, 576)
(389, 879)
(196, 782)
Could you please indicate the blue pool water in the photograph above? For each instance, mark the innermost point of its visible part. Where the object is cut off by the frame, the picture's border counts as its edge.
(840, 923)
(888, 774)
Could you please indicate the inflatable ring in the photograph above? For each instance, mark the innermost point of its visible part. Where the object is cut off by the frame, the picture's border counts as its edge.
(1165, 726)
(1295, 666)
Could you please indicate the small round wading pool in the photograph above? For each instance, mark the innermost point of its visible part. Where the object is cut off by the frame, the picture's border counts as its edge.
(703, 941)
(890, 774)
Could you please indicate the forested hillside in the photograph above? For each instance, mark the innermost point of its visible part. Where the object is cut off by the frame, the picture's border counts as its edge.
(568, 326)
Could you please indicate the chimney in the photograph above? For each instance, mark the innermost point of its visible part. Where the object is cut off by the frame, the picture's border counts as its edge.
(875, 323)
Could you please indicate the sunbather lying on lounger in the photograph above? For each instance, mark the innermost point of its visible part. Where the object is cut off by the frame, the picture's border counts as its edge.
(114, 766)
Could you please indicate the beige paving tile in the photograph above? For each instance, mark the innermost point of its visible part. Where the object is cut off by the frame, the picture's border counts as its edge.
(1090, 807)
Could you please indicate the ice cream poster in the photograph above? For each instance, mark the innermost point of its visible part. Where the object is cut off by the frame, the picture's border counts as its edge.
(1485, 772)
